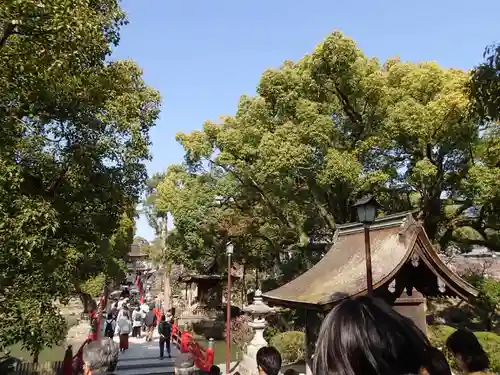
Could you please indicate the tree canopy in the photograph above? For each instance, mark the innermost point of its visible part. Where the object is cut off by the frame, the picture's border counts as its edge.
(284, 171)
(74, 136)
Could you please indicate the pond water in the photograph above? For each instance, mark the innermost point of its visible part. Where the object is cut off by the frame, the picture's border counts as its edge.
(220, 350)
(56, 353)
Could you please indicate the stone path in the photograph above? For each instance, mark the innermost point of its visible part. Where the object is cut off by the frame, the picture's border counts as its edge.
(143, 358)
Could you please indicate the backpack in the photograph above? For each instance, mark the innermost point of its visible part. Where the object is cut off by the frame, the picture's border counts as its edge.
(150, 319)
(137, 317)
(109, 327)
(125, 329)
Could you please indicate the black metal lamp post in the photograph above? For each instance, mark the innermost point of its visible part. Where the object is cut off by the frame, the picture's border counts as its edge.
(367, 212)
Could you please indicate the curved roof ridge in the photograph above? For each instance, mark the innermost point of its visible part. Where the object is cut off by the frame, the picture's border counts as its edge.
(465, 290)
(341, 272)
(380, 222)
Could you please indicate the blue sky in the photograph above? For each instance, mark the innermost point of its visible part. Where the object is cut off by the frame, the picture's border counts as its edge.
(202, 55)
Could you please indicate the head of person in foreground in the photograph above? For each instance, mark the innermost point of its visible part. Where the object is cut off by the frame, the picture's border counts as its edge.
(365, 336)
(100, 356)
(268, 361)
(468, 352)
(215, 370)
(436, 364)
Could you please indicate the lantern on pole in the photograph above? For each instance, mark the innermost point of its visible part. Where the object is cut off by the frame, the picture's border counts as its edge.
(367, 212)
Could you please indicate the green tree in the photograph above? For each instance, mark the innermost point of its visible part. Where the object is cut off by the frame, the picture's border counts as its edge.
(336, 125)
(74, 136)
(284, 171)
(486, 305)
(485, 85)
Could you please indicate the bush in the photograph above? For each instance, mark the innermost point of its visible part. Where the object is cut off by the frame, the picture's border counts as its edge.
(94, 285)
(291, 346)
(489, 340)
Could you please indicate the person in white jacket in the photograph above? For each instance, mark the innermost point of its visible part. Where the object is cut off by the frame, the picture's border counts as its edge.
(123, 328)
(137, 318)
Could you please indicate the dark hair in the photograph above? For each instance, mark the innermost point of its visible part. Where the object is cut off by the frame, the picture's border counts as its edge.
(465, 344)
(290, 371)
(269, 360)
(110, 316)
(101, 355)
(436, 363)
(162, 317)
(214, 370)
(365, 336)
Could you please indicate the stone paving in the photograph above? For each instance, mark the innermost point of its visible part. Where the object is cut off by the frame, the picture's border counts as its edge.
(143, 358)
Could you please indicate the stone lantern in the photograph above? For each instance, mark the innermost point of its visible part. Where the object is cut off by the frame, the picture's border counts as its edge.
(259, 310)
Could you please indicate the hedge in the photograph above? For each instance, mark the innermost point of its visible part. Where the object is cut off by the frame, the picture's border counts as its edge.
(489, 340)
(291, 346)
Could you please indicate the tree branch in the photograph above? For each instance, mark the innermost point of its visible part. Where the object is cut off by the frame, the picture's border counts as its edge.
(7, 32)
(261, 192)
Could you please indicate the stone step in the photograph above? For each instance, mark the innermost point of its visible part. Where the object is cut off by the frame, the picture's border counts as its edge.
(145, 363)
(147, 371)
(147, 356)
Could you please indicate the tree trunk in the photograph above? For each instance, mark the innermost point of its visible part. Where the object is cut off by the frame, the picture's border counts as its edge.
(167, 288)
(88, 302)
(35, 357)
(243, 288)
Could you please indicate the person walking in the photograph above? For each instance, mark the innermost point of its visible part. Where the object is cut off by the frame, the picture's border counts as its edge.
(165, 331)
(123, 330)
(110, 327)
(114, 311)
(150, 322)
(136, 322)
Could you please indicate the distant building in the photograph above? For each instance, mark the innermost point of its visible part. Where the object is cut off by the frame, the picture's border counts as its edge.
(137, 263)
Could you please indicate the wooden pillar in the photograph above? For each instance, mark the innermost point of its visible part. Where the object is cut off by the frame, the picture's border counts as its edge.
(413, 306)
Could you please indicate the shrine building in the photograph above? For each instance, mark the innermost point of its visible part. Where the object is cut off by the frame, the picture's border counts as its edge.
(405, 266)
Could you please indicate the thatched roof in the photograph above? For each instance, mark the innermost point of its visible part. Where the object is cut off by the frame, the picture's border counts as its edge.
(210, 271)
(341, 273)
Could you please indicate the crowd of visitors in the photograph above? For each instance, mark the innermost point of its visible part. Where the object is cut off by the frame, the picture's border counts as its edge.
(127, 318)
(362, 336)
